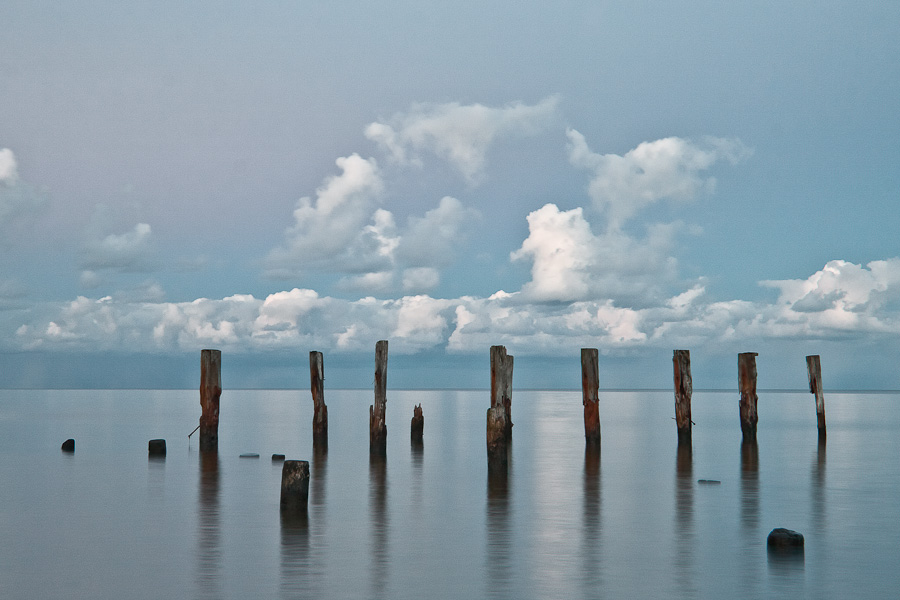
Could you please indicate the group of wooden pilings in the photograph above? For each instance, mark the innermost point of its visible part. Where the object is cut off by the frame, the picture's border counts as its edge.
(295, 473)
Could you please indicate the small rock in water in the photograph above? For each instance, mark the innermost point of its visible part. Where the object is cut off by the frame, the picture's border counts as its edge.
(68, 445)
(709, 481)
(784, 539)
(277, 457)
(250, 455)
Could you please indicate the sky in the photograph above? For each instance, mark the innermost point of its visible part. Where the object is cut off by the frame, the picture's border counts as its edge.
(273, 178)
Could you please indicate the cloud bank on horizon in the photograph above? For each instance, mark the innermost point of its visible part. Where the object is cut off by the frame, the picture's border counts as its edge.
(602, 274)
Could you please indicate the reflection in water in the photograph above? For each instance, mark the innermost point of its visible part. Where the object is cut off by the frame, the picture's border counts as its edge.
(296, 566)
(749, 484)
(209, 552)
(417, 450)
(590, 527)
(156, 477)
(684, 520)
(786, 568)
(378, 516)
(818, 485)
(499, 531)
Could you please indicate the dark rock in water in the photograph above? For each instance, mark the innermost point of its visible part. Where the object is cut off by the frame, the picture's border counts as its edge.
(68, 445)
(709, 481)
(157, 447)
(250, 455)
(277, 457)
(784, 539)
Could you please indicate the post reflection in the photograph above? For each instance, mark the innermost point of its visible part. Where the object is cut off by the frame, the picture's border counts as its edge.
(209, 552)
(818, 485)
(417, 451)
(749, 484)
(296, 567)
(684, 520)
(591, 521)
(499, 531)
(378, 517)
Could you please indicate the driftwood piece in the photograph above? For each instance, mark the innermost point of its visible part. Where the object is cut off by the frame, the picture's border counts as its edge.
(681, 365)
(814, 371)
(317, 387)
(210, 391)
(747, 386)
(377, 427)
(590, 394)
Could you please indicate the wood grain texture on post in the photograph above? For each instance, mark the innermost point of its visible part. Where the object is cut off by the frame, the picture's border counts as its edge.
(499, 419)
(295, 485)
(210, 391)
(590, 394)
(417, 425)
(684, 388)
(814, 371)
(747, 386)
(317, 387)
(377, 427)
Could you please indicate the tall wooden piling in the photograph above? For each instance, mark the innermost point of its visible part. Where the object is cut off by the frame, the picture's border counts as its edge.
(590, 395)
(499, 415)
(210, 391)
(814, 371)
(317, 387)
(377, 427)
(684, 388)
(747, 386)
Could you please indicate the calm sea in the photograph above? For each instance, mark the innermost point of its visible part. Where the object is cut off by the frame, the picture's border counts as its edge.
(109, 522)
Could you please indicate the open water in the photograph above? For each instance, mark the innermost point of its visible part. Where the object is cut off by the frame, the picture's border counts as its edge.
(109, 522)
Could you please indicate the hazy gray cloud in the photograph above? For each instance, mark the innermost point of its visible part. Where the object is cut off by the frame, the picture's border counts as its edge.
(460, 134)
(18, 199)
(127, 252)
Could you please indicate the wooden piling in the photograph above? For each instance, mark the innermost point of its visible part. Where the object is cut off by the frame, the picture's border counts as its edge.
(377, 427)
(210, 391)
(814, 371)
(590, 395)
(417, 425)
(747, 386)
(681, 365)
(295, 485)
(499, 418)
(317, 387)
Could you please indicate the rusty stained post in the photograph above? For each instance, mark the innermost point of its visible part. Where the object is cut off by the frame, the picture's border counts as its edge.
(499, 420)
(681, 365)
(814, 370)
(590, 395)
(747, 386)
(210, 391)
(417, 425)
(317, 387)
(377, 427)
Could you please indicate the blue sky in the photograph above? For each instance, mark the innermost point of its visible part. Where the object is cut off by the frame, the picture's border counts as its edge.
(281, 177)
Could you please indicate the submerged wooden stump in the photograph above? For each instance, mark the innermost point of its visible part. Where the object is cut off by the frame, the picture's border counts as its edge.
(499, 419)
(590, 395)
(317, 387)
(814, 371)
(684, 388)
(417, 425)
(377, 427)
(294, 485)
(210, 391)
(156, 447)
(747, 386)
(68, 445)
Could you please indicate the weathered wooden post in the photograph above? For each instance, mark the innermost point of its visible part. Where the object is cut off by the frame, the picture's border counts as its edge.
(417, 425)
(377, 427)
(210, 391)
(294, 485)
(814, 370)
(317, 387)
(747, 386)
(681, 364)
(590, 395)
(499, 419)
